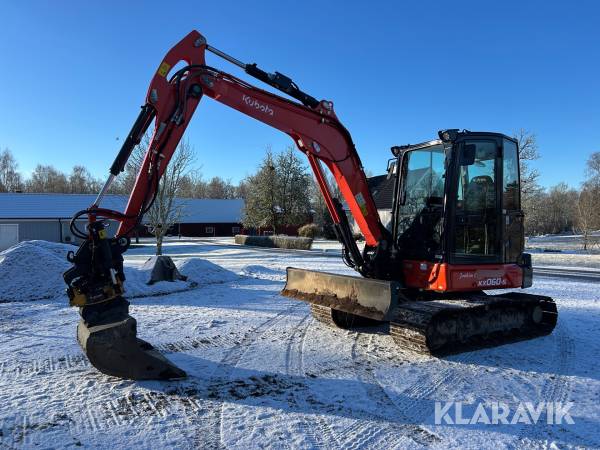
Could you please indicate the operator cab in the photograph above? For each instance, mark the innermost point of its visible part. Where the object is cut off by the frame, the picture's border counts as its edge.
(457, 199)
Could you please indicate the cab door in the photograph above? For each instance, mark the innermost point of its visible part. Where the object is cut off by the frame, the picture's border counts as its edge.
(512, 215)
(475, 234)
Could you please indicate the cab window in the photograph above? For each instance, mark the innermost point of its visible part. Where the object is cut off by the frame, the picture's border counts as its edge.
(510, 178)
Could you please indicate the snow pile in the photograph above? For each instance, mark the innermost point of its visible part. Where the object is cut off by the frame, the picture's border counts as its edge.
(32, 270)
(204, 272)
(198, 271)
(263, 273)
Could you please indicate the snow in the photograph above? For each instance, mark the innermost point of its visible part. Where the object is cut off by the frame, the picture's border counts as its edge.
(263, 373)
(32, 270)
(20, 268)
(566, 260)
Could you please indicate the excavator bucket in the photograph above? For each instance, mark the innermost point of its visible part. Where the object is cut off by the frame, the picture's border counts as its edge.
(436, 325)
(109, 340)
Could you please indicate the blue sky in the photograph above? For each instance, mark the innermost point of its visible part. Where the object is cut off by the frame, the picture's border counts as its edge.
(74, 75)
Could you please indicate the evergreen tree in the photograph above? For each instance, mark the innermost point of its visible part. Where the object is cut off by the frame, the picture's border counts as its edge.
(261, 210)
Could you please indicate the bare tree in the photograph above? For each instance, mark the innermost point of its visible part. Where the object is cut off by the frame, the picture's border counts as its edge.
(560, 208)
(241, 191)
(593, 169)
(528, 151)
(219, 188)
(588, 204)
(588, 215)
(81, 181)
(192, 185)
(165, 212)
(10, 178)
(46, 178)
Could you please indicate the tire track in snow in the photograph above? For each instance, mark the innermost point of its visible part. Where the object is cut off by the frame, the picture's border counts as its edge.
(188, 402)
(323, 427)
(370, 429)
(376, 434)
(44, 366)
(557, 388)
(47, 366)
(314, 426)
(416, 405)
(209, 436)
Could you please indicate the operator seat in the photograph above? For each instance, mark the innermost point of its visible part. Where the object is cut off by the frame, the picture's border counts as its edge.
(479, 199)
(480, 194)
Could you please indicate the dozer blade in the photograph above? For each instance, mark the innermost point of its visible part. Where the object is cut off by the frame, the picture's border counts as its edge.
(112, 346)
(448, 326)
(374, 299)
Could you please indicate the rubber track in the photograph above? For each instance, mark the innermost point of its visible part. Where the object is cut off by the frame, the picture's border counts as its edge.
(339, 319)
(414, 328)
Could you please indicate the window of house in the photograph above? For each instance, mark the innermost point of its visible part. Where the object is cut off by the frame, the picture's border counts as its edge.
(209, 230)
(235, 230)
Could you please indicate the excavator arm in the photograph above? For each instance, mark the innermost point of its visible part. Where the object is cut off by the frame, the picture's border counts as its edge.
(95, 282)
(172, 99)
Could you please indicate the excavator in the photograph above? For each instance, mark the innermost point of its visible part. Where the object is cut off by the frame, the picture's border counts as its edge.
(453, 228)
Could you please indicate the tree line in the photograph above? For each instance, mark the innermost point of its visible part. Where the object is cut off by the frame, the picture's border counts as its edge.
(48, 179)
(562, 208)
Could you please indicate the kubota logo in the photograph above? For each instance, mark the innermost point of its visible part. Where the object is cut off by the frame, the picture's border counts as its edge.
(252, 102)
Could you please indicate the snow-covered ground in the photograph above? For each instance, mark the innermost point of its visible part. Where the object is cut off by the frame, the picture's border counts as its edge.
(568, 249)
(263, 373)
(569, 243)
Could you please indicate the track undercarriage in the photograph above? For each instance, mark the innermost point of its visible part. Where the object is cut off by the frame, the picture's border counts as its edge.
(428, 324)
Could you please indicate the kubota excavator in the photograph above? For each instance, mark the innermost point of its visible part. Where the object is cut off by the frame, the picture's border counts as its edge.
(454, 226)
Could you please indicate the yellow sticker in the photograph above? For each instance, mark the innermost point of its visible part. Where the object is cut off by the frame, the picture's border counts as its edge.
(163, 70)
(102, 234)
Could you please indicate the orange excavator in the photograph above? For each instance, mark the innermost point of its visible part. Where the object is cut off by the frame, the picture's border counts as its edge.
(451, 230)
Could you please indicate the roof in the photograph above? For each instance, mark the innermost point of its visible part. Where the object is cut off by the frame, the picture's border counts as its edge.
(382, 190)
(63, 206)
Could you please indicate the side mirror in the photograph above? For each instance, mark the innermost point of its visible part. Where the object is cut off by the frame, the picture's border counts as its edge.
(467, 155)
(391, 170)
